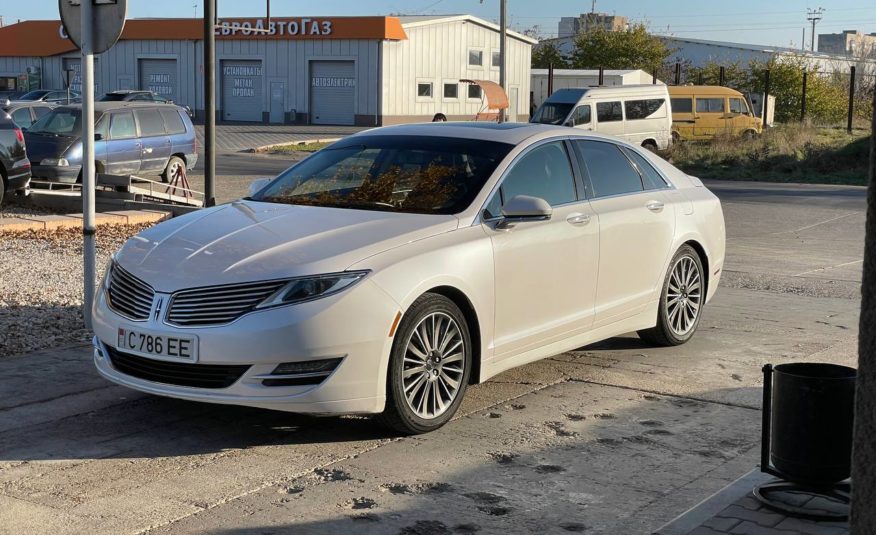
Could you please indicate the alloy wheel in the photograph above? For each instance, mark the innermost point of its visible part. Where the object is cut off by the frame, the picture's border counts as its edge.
(434, 365)
(684, 296)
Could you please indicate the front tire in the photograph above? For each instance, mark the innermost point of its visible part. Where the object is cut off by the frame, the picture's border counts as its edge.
(681, 301)
(429, 366)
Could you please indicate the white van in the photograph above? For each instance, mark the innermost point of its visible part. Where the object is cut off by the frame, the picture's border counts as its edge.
(639, 114)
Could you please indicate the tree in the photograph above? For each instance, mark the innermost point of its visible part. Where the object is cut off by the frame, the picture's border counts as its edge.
(633, 48)
(826, 94)
(546, 54)
(735, 76)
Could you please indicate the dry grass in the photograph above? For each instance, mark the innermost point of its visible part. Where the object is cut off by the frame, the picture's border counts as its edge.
(787, 153)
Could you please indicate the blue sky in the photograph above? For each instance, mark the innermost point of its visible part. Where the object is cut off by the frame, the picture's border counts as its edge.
(778, 22)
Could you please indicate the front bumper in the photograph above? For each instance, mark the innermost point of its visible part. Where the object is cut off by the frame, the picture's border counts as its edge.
(354, 325)
(67, 175)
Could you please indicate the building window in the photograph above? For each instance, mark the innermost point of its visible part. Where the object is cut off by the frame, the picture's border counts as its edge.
(451, 91)
(476, 58)
(424, 89)
(474, 91)
(497, 59)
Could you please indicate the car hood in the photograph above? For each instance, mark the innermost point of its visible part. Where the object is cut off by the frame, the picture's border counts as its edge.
(251, 241)
(41, 146)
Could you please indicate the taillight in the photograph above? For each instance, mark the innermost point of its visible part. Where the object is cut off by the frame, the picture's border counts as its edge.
(19, 135)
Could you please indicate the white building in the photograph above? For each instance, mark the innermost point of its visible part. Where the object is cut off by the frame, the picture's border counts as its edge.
(699, 52)
(310, 70)
(564, 78)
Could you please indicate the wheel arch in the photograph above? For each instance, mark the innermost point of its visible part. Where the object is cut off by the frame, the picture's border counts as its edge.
(471, 317)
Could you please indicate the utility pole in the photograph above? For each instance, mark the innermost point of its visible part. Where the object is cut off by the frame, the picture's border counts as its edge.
(814, 16)
(209, 101)
(503, 52)
(593, 7)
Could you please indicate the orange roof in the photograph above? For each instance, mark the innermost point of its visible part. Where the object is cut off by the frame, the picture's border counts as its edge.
(40, 38)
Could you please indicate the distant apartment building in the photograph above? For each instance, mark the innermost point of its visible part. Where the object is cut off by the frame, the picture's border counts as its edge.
(849, 42)
(571, 26)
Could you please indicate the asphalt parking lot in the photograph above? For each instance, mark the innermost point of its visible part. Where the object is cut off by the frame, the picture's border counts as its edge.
(613, 438)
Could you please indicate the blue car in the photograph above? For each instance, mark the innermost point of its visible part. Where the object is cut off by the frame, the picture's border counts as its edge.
(132, 138)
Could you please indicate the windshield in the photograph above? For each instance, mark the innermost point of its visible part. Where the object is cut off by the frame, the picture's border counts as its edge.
(415, 174)
(60, 122)
(552, 113)
(33, 95)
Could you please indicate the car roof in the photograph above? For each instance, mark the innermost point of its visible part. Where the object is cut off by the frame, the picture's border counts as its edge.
(512, 133)
(684, 90)
(127, 91)
(16, 104)
(101, 106)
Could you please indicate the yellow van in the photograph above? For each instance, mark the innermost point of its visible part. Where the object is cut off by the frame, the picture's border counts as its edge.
(701, 112)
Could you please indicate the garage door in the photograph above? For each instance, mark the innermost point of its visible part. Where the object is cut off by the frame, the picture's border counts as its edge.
(332, 92)
(159, 76)
(242, 91)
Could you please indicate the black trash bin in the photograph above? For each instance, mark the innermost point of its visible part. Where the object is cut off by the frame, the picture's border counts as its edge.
(810, 422)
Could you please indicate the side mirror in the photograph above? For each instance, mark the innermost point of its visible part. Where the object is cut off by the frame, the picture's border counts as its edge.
(257, 185)
(523, 208)
(98, 137)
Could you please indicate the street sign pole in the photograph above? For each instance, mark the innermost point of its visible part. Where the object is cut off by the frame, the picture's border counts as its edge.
(94, 26)
(88, 226)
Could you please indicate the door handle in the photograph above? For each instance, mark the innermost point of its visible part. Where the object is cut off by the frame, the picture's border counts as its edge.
(578, 219)
(654, 206)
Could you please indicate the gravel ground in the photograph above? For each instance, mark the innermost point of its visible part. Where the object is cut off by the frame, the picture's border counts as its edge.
(41, 286)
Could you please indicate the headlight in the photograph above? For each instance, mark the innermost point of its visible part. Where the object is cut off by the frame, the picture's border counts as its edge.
(55, 162)
(309, 288)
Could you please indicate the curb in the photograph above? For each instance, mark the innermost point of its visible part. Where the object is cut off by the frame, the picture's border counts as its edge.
(23, 223)
(264, 148)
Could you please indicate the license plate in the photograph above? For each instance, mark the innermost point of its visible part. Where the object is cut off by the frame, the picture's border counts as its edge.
(158, 344)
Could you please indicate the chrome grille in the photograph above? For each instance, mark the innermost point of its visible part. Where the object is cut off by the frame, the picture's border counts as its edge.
(219, 304)
(128, 295)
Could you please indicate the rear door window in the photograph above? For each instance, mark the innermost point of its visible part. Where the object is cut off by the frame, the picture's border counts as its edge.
(122, 126)
(607, 112)
(610, 171)
(151, 123)
(173, 122)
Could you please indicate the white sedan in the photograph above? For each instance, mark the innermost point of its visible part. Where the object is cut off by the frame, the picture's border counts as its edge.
(385, 273)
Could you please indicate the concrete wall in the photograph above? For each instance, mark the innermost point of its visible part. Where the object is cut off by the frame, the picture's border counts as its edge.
(438, 53)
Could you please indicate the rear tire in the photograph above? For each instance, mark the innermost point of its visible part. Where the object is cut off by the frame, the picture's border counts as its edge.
(681, 300)
(429, 366)
(174, 164)
(2, 189)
